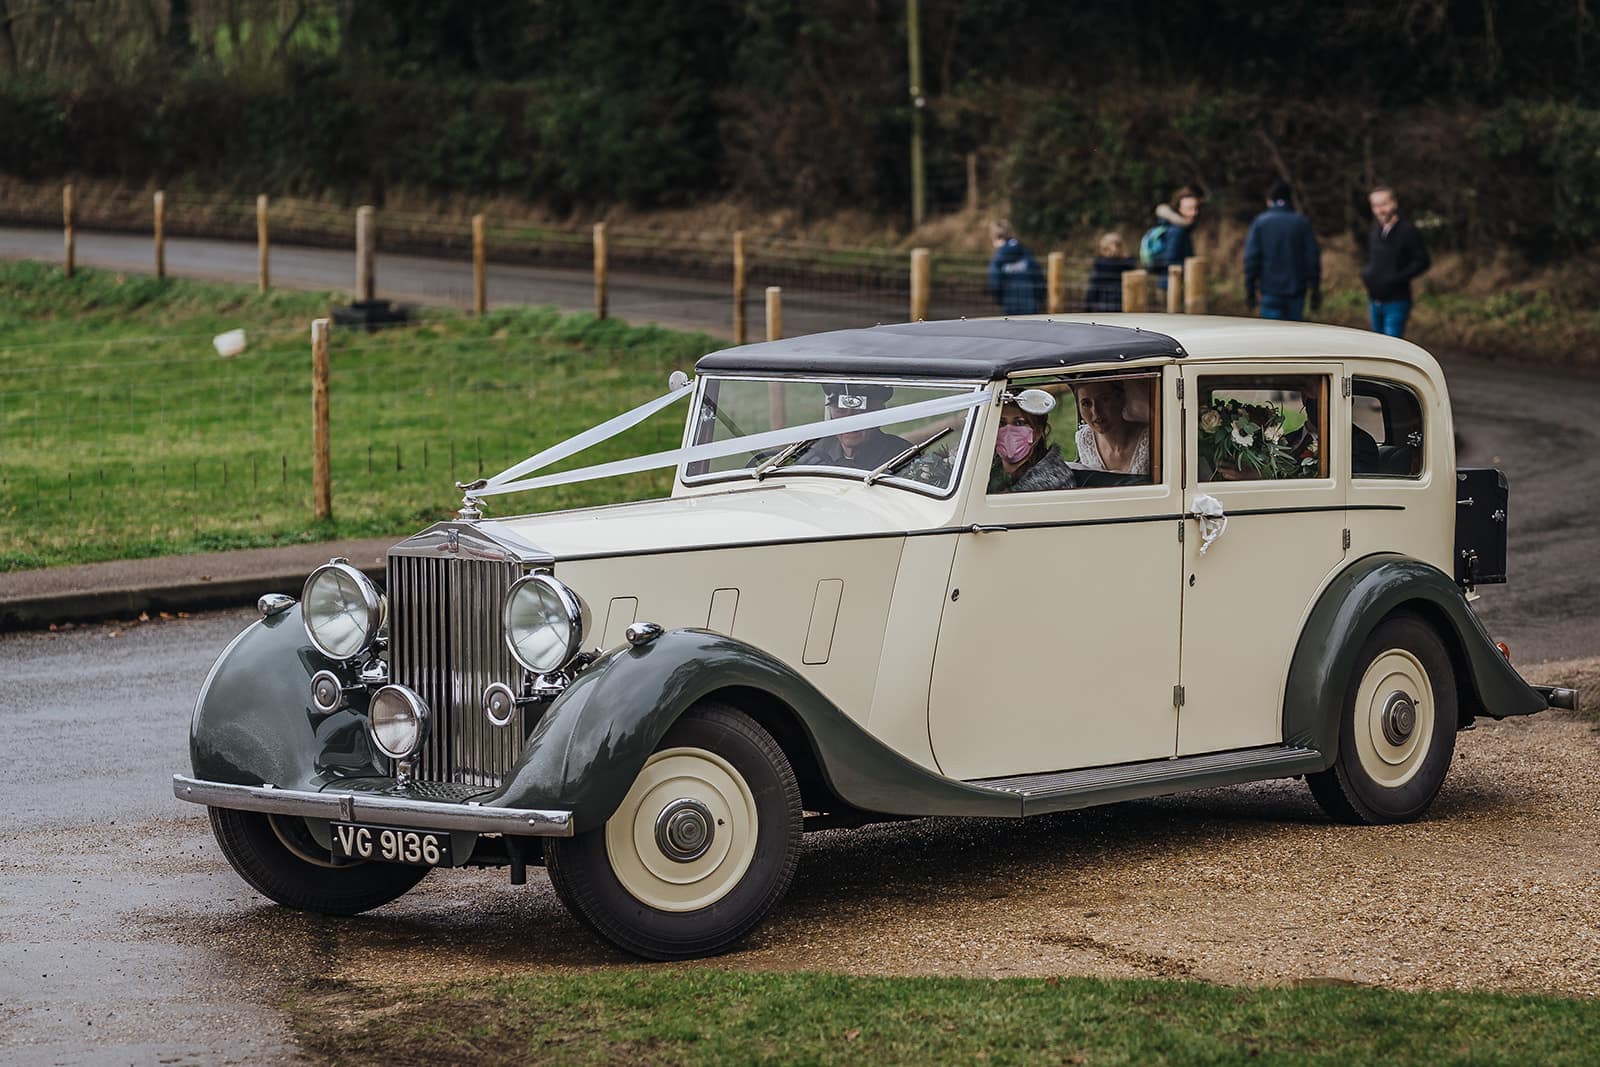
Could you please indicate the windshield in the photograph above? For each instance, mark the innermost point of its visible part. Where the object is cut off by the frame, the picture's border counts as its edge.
(739, 407)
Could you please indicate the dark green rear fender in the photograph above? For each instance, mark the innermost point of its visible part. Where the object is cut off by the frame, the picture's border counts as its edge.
(1351, 607)
(254, 724)
(587, 749)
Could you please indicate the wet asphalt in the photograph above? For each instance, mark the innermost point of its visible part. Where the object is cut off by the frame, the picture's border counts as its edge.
(124, 937)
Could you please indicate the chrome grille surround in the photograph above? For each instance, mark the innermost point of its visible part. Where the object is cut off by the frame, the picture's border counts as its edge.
(446, 641)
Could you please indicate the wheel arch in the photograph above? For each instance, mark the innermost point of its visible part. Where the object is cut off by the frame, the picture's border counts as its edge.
(589, 746)
(1350, 607)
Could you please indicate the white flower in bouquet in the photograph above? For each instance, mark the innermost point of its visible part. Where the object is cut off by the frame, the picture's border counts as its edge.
(1210, 419)
(1240, 438)
(1273, 433)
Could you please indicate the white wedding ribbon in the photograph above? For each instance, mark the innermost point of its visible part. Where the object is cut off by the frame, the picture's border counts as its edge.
(592, 436)
(1208, 509)
(789, 435)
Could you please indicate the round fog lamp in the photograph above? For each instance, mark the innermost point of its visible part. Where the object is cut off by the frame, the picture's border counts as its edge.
(398, 721)
(342, 610)
(544, 623)
(499, 704)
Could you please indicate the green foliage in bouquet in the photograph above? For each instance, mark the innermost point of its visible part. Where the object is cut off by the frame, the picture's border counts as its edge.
(1252, 439)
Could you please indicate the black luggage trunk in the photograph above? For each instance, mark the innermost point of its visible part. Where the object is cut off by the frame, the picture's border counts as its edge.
(1480, 526)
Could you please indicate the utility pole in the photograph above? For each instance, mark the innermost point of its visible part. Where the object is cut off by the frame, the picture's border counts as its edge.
(919, 192)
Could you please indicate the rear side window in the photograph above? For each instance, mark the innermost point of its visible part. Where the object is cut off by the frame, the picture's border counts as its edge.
(1387, 436)
(1262, 427)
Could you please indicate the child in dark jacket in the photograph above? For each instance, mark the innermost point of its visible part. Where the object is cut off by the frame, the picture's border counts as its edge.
(1105, 275)
(1015, 280)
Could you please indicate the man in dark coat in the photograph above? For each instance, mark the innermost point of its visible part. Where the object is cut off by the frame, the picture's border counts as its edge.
(1282, 260)
(1395, 255)
(1015, 280)
(858, 449)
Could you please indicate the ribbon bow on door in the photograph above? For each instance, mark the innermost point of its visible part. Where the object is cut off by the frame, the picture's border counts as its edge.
(1208, 509)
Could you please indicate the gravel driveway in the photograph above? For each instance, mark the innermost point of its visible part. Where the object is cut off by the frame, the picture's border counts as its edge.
(1499, 887)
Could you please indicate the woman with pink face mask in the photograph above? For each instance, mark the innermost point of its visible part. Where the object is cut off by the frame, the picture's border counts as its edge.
(1024, 459)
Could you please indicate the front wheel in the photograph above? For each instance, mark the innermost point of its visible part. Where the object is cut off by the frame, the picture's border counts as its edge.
(699, 851)
(1398, 731)
(280, 859)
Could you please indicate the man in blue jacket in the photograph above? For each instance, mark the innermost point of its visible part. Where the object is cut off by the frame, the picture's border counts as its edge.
(1282, 261)
(1015, 280)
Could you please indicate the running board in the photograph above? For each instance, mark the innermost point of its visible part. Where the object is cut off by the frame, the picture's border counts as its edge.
(1063, 790)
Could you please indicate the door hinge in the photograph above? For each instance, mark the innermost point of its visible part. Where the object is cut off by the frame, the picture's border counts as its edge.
(1177, 696)
(1347, 537)
(1180, 531)
(1345, 385)
(1180, 388)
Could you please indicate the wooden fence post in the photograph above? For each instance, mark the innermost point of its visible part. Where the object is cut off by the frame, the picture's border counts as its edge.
(68, 229)
(774, 312)
(599, 270)
(972, 181)
(366, 253)
(1055, 301)
(1194, 289)
(321, 467)
(1174, 289)
(921, 282)
(1133, 290)
(480, 268)
(740, 327)
(161, 234)
(263, 271)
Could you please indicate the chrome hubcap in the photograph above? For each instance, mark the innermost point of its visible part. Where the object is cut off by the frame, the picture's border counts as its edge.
(1399, 717)
(684, 830)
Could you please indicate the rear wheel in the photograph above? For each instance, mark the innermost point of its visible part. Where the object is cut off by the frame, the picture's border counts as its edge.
(1398, 732)
(700, 850)
(280, 859)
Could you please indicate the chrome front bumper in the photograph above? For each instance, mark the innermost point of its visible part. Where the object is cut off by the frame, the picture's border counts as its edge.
(375, 808)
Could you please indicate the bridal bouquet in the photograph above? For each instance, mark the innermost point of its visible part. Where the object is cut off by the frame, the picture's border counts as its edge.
(1251, 439)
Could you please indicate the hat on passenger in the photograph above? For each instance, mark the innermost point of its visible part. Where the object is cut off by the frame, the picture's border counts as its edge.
(856, 396)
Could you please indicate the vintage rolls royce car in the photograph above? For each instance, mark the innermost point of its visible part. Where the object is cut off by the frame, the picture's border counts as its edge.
(979, 568)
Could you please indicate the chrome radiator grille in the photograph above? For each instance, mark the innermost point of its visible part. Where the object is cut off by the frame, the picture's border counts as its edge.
(446, 643)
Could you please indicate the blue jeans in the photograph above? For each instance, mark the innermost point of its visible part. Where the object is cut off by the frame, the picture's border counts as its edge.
(1292, 308)
(1389, 316)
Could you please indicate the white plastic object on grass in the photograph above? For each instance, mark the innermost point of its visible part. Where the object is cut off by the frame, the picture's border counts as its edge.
(229, 344)
(1208, 509)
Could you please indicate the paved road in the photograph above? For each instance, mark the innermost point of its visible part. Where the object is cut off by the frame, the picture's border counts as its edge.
(680, 303)
(99, 866)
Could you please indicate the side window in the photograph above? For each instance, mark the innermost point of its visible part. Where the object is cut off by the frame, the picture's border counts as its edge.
(1387, 435)
(1265, 426)
(1104, 431)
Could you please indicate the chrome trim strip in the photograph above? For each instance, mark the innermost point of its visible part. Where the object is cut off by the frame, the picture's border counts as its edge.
(364, 807)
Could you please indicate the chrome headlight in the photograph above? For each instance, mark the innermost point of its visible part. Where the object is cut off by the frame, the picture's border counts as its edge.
(342, 610)
(543, 622)
(398, 721)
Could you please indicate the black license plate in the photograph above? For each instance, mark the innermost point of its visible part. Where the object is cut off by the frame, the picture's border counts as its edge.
(390, 844)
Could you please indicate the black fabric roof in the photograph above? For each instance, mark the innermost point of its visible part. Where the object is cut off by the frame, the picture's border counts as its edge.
(979, 348)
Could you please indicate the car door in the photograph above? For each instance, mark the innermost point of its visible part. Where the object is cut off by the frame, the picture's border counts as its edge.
(1247, 592)
(1058, 641)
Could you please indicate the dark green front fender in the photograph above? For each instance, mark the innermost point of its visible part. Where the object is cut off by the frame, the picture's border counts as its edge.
(589, 746)
(254, 723)
(1351, 607)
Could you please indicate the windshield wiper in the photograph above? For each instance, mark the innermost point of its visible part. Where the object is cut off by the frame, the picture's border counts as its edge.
(903, 458)
(781, 458)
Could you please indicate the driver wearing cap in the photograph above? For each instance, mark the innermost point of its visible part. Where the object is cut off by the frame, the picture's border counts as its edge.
(859, 449)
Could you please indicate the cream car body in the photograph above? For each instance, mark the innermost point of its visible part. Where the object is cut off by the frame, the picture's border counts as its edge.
(772, 638)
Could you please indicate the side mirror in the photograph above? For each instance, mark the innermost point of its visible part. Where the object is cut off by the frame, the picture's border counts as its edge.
(676, 380)
(1033, 401)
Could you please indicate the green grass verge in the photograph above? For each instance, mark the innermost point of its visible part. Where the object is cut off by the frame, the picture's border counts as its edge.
(123, 434)
(704, 1016)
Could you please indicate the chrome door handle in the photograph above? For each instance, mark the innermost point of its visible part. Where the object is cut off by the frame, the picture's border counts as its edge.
(978, 527)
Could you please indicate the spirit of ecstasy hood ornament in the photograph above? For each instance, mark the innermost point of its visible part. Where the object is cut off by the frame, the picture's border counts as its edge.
(471, 506)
